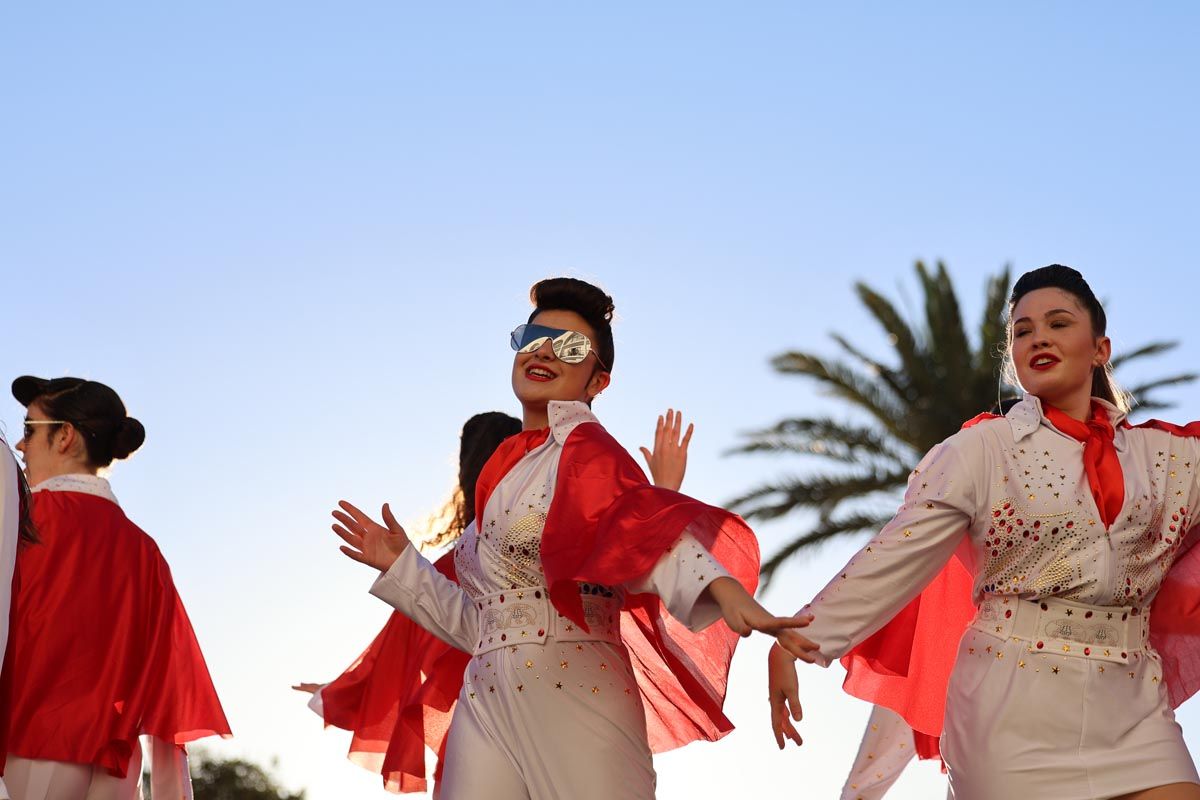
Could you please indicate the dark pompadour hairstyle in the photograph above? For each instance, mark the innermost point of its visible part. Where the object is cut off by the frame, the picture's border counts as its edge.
(586, 300)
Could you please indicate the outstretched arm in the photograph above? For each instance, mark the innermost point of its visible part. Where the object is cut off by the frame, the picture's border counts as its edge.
(409, 583)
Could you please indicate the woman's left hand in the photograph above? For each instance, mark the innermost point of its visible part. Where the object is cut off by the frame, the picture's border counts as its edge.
(668, 460)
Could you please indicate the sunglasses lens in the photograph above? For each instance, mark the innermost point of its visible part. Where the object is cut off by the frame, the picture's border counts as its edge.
(572, 347)
(517, 336)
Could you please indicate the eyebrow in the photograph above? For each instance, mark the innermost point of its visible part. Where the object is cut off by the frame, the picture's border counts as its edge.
(1049, 313)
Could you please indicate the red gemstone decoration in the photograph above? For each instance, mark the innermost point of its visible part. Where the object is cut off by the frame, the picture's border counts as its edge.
(1040, 645)
(1087, 651)
(541, 631)
(503, 637)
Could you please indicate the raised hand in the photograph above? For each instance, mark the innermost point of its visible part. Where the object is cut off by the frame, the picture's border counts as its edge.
(668, 460)
(368, 542)
(785, 696)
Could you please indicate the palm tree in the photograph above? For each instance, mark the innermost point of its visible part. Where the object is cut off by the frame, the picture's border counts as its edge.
(939, 379)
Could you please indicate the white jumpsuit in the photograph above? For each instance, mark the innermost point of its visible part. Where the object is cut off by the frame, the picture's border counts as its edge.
(546, 711)
(1055, 692)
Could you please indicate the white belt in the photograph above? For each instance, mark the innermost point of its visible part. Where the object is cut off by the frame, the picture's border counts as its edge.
(525, 616)
(1063, 627)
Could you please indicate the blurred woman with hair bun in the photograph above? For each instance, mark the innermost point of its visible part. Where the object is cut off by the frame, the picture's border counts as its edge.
(101, 651)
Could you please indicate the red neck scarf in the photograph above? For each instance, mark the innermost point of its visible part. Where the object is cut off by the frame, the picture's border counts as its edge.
(1099, 457)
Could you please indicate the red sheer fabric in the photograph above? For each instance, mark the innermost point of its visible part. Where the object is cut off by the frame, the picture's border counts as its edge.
(606, 525)
(906, 665)
(1099, 457)
(397, 699)
(101, 649)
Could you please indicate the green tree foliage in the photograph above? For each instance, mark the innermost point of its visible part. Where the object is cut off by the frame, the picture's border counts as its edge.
(230, 779)
(938, 376)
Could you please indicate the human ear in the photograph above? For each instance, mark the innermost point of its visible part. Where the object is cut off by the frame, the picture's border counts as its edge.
(1103, 351)
(598, 383)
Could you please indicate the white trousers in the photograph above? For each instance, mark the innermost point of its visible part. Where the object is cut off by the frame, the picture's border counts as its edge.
(32, 779)
(549, 722)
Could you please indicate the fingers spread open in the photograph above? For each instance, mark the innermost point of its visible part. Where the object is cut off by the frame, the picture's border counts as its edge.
(347, 521)
(359, 517)
(352, 539)
(354, 554)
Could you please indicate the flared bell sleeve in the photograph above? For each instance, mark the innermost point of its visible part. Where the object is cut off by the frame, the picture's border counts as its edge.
(415, 588)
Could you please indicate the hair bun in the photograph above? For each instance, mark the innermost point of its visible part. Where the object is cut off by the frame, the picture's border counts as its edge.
(127, 437)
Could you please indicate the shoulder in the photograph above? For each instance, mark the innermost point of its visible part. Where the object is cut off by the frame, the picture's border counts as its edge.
(1190, 430)
(977, 435)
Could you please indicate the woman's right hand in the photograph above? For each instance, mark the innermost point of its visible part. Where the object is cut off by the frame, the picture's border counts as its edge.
(785, 695)
(308, 688)
(369, 542)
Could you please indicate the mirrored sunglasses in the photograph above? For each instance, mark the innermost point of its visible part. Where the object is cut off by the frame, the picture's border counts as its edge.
(570, 347)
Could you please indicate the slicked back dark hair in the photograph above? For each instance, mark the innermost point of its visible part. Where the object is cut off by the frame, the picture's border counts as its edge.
(1057, 276)
(96, 411)
(586, 300)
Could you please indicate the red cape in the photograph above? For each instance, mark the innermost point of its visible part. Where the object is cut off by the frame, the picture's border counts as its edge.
(906, 665)
(606, 525)
(101, 649)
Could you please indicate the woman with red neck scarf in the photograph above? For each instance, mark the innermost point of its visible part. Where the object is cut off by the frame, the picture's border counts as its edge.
(101, 651)
(599, 612)
(1045, 538)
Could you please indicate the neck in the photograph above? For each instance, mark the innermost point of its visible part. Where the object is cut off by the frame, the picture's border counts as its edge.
(1077, 406)
(64, 468)
(533, 419)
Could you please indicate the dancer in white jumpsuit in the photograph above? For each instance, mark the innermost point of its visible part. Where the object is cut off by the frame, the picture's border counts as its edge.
(1056, 691)
(551, 708)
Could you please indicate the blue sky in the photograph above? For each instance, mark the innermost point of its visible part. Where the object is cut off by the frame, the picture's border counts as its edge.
(294, 238)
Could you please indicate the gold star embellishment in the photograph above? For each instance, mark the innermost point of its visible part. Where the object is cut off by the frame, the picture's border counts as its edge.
(1054, 670)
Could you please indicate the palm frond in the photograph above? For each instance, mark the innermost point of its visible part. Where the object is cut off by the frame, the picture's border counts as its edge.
(844, 382)
(1174, 380)
(825, 530)
(900, 334)
(1152, 349)
(822, 492)
(823, 437)
(893, 379)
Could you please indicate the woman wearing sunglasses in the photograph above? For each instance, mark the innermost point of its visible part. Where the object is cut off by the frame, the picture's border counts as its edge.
(101, 650)
(587, 597)
(380, 694)
(1058, 629)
